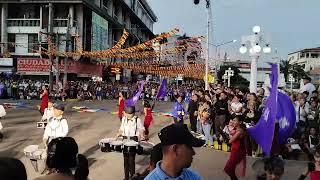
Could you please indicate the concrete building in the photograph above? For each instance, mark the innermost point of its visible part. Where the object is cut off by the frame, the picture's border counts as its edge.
(309, 59)
(99, 24)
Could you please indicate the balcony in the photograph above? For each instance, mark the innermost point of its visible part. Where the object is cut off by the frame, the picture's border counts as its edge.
(59, 22)
(23, 22)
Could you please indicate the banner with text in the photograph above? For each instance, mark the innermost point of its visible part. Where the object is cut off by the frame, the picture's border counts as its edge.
(40, 66)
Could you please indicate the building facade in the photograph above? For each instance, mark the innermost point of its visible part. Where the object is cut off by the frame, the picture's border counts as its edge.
(98, 24)
(309, 59)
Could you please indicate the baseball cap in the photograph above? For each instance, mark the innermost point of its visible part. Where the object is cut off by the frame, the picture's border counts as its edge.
(179, 134)
(307, 78)
(59, 107)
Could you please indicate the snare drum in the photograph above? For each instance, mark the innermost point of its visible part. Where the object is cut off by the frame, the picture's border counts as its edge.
(116, 145)
(130, 146)
(41, 124)
(39, 154)
(105, 144)
(145, 148)
(29, 150)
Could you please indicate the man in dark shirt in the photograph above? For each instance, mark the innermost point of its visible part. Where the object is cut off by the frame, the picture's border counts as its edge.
(193, 112)
(221, 107)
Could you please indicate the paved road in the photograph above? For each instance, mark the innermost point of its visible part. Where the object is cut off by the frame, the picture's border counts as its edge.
(88, 128)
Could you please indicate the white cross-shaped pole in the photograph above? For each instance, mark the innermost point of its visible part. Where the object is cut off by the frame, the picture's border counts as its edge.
(291, 80)
(229, 73)
(225, 77)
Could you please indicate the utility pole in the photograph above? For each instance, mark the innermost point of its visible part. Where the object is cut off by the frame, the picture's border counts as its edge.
(68, 39)
(57, 63)
(50, 29)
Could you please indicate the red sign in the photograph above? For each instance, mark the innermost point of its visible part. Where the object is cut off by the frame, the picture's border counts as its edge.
(42, 65)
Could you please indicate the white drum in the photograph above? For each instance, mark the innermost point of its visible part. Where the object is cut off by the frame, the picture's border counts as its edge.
(105, 144)
(116, 145)
(130, 146)
(39, 154)
(29, 150)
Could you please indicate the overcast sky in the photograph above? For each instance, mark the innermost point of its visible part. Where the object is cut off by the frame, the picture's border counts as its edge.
(289, 24)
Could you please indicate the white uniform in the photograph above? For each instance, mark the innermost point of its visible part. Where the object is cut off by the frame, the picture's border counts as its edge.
(56, 127)
(131, 127)
(308, 87)
(48, 113)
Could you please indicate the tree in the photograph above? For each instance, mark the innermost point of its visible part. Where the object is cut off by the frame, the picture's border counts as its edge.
(295, 69)
(236, 80)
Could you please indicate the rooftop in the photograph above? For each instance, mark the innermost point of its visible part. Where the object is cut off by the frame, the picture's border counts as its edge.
(317, 49)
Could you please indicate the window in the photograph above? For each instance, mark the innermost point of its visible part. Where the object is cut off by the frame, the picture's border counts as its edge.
(307, 55)
(105, 4)
(302, 55)
(12, 41)
(33, 44)
(314, 55)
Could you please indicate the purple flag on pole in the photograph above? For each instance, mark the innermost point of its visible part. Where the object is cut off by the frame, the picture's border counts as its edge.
(286, 116)
(263, 131)
(135, 98)
(163, 89)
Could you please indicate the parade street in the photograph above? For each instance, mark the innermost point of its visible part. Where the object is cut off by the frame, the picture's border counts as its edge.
(88, 128)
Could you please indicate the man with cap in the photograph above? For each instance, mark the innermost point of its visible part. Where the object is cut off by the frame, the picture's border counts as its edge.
(57, 125)
(307, 86)
(131, 128)
(177, 148)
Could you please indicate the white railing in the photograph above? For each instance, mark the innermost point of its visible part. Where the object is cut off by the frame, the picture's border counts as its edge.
(58, 22)
(23, 22)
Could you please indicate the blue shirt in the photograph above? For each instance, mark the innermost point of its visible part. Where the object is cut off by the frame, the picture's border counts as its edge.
(159, 174)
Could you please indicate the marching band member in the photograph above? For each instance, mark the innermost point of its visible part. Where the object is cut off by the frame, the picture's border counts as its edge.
(57, 125)
(178, 110)
(48, 112)
(121, 105)
(131, 128)
(44, 99)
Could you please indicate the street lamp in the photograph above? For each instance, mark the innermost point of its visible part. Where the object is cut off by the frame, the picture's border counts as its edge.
(291, 80)
(208, 6)
(255, 52)
(229, 73)
(216, 52)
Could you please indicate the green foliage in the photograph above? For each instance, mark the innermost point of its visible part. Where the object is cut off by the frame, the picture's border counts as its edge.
(295, 69)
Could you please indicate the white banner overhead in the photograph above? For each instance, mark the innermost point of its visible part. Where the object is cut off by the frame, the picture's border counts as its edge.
(6, 62)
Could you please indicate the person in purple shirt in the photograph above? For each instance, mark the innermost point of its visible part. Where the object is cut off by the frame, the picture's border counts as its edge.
(177, 147)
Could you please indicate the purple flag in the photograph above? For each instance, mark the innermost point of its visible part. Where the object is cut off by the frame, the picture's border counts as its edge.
(163, 89)
(135, 98)
(263, 131)
(286, 116)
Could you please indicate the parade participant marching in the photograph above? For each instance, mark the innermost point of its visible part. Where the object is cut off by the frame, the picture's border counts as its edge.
(57, 125)
(178, 110)
(120, 105)
(131, 128)
(148, 118)
(44, 96)
(48, 112)
(238, 150)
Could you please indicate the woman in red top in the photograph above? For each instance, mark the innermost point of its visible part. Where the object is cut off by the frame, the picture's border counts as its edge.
(238, 150)
(44, 99)
(121, 106)
(148, 118)
(313, 169)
